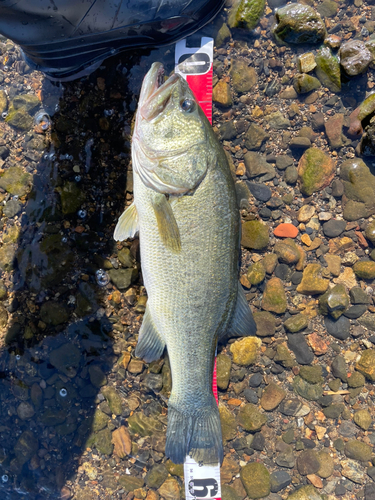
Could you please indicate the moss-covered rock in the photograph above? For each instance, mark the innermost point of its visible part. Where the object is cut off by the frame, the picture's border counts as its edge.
(328, 69)
(359, 189)
(274, 297)
(315, 171)
(298, 23)
(246, 14)
(243, 76)
(256, 480)
(255, 235)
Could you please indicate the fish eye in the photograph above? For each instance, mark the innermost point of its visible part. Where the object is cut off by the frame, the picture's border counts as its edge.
(187, 105)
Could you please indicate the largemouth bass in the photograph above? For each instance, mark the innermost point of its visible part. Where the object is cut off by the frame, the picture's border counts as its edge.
(186, 213)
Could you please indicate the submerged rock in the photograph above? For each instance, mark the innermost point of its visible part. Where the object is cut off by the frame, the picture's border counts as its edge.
(297, 23)
(304, 83)
(315, 171)
(328, 69)
(334, 302)
(254, 235)
(256, 480)
(354, 57)
(359, 189)
(244, 77)
(246, 14)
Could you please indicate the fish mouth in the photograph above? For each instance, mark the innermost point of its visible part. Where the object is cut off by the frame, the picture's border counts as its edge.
(156, 92)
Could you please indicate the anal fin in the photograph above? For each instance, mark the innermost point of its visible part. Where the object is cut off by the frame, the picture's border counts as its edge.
(150, 344)
(127, 225)
(167, 225)
(242, 324)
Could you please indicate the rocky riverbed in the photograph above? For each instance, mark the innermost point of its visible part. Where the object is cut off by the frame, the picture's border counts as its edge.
(81, 418)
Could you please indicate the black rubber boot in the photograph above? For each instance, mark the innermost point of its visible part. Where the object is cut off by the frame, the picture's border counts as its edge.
(66, 39)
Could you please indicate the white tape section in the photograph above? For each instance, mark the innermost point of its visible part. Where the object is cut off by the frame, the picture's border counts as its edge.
(202, 481)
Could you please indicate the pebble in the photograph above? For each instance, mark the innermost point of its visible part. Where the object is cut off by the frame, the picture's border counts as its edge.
(302, 352)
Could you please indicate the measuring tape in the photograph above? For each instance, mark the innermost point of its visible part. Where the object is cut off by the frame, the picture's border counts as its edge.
(195, 64)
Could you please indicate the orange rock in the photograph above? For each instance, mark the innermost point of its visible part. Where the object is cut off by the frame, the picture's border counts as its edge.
(285, 230)
(317, 344)
(315, 480)
(122, 441)
(234, 402)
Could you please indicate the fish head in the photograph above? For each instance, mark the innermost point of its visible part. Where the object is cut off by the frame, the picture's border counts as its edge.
(170, 148)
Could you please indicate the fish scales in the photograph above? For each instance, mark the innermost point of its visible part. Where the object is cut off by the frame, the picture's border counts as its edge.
(186, 213)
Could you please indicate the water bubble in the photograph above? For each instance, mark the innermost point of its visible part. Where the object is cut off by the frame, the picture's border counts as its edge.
(64, 239)
(52, 157)
(108, 112)
(5, 478)
(46, 157)
(18, 357)
(42, 120)
(6, 68)
(101, 277)
(63, 392)
(15, 197)
(4, 115)
(77, 178)
(82, 213)
(57, 108)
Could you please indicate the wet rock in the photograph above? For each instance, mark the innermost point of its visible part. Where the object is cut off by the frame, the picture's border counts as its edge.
(223, 367)
(228, 423)
(3, 290)
(97, 376)
(356, 380)
(359, 188)
(122, 442)
(245, 351)
(256, 166)
(254, 235)
(259, 191)
(254, 137)
(328, 69)
(306, 62)
(99, 421)
(365, 269)
(256, 273)
(363, 419)
(357, 450)
(272, 397)
(223, 35)
(25, 447)
(370, 232)
(334, 302)
(277, 121)
(123, 278)
(339, 328)
(339, 368)
(25, 410)
(12, 208)
(327, 8)
(296, 323)
(246, 14)
(284, 161)
(354, 57)
(274, 298)
(302, 352)
(15, 181)
(308, 462)
(353, 471)
(315, 170)
(334, 410)
(368, 320)
(142, 425)
(72, 197)
(156, 476)
(250, 418)
(366, 364)
(304, 83)
(327, 464)
(291, 175)
(280, 479)
(113, 399)
(256, 480)
(28, 102)
(312, 281)
(312, 374)
(54, 313)
(66, 359)
(311, 392)
(3, 316)
(337, 188)
(269, 262)
(3, 101)
(333, 127)
(265, 322)
(19, 118)
(229, 493)
(334, 228)
(305, 493)
(297, 23)
(221, 94)
(243, 76)
(283, 356)
(131, 483)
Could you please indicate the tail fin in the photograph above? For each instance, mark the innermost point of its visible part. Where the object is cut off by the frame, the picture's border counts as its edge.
(197, 434)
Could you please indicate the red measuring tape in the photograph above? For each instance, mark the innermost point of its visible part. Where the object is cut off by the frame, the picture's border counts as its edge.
(195, 64)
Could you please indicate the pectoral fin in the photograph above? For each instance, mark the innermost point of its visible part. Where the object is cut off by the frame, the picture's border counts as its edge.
(242, 324)
(168, 229)
(127, 225)
(150, 344)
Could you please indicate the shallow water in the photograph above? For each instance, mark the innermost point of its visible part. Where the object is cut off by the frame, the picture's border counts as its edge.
(71, 311)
